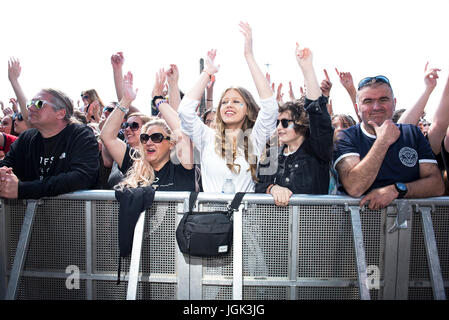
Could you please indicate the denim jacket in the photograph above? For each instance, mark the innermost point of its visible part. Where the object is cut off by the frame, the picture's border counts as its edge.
(306, 171)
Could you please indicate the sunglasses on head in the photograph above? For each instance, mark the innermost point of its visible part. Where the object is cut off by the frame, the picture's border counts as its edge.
(155, 137)
(38, 104)
(369, 80)
(284, 123)
(133, 125)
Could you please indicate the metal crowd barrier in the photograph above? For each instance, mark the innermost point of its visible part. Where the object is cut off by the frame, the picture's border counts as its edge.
(319, 247)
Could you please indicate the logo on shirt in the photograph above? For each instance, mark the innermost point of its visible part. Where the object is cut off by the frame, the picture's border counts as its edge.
(408, 156)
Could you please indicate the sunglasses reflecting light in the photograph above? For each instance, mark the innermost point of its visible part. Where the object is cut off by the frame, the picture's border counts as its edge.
(284, 123)
(155, 137)
(133, 125)
(375, 79)
(38, 104)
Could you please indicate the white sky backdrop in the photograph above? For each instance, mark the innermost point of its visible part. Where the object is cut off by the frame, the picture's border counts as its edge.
(68, 44)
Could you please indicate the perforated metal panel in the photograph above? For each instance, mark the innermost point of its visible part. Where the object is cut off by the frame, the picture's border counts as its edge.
(320, 293)
(58, 236)
(325, 247)
(38, 288)
(418, 259)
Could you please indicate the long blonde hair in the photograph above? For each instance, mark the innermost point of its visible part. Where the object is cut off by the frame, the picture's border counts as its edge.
(220, 137)
(141, 174)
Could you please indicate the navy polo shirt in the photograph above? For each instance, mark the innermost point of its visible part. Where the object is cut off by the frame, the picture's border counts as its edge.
(401, 163)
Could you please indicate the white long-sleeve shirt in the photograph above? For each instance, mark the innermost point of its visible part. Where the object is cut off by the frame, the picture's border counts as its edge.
(214, 171)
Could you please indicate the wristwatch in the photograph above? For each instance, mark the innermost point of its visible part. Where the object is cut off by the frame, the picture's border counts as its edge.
(401, 188)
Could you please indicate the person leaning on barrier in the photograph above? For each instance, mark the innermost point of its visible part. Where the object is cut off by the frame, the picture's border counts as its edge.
(380, 160)
(306, 136)
(56, 156)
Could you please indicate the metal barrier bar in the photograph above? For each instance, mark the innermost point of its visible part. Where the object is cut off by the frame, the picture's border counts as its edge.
(237, 263)
(89, 260)
(404, 232)
(22, 249)
(432, 255)
(359, 253)
(133, 277)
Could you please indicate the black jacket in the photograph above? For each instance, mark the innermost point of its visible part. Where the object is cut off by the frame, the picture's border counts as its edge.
(75, 165)
(306, 171)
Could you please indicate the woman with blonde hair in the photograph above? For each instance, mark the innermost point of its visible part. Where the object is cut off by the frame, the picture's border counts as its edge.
(232, 149)
(151, 157)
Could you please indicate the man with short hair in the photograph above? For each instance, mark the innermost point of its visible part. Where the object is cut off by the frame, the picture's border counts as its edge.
(56, 156)
(381, 160)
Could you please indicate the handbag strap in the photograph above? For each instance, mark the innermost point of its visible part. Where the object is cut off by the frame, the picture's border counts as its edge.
(234, 204)
(237, 200)
(192, 199)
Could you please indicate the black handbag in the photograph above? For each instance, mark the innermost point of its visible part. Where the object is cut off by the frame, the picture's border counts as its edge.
(207, 234)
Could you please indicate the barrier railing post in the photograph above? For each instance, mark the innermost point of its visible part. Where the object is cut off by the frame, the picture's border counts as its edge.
(359, 253)
(432, 255)
(237, 263)
(3, 251)
(133, 277)
(22, 249)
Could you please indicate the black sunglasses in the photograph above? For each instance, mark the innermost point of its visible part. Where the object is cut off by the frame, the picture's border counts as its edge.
(133, 125)
(85, 97)
(155, 137)
(375, 79)
(18, 117)
(284, 123)
(110, 109)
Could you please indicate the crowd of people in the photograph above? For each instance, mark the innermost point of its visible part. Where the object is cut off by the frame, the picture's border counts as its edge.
(49, 146)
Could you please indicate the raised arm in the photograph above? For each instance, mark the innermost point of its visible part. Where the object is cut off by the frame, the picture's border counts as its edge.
(14, 71)
(184, 147)
(413, 114)
(262, 85)
(440, 122)
(305, 60)
(347, 82)
(117, 61)
(174, 95)
(108, 135)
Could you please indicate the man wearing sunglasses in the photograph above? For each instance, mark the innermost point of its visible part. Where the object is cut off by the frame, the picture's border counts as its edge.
(380, 160)
(56, 156)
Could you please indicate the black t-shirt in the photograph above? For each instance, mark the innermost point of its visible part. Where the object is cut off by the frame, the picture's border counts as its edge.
(47, 154)
(174, 177)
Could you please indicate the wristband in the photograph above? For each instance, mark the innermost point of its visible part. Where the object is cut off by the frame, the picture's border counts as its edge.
(159, 103)
(153, 102)
(269, 188)
(121, 108)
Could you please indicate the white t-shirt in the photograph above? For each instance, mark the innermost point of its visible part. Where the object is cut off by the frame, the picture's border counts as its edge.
(214, 170)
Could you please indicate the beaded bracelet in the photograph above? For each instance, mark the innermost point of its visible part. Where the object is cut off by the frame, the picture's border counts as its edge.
(121, 108)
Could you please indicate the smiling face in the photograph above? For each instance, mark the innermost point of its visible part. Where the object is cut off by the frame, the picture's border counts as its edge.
(157, 154)
(289, 134)
(233, 109)
(133, 136)
(376, 103)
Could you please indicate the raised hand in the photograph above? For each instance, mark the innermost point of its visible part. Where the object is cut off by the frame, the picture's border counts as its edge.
(15, 106)
(159, 83)
(245, 29)
(430, 77)
(172, 75)
(14, 69)
(290, 91)
(129, 94)
(303, 56)
(279, 94)
(117, 60)
(345, 79)
(326, 85)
